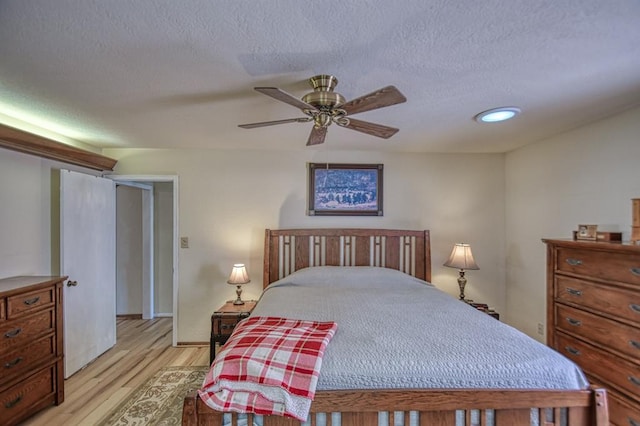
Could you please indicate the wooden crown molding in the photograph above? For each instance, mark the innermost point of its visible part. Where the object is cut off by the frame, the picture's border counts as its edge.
(29, 143)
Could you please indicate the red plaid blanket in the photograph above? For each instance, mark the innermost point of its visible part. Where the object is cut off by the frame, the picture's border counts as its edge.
(268, 366)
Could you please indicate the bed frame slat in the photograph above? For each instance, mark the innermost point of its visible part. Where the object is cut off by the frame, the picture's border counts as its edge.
(437, 418)
(332, 256)
(392, 253)
(278, 421)
(363, 251)
(302, 252)
(358, 419)
(513, 417)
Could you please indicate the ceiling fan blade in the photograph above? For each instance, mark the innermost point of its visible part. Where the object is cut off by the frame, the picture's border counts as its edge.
(273, 123)
(373, 129)
(384, 97)
(283, 96)
(317, 135)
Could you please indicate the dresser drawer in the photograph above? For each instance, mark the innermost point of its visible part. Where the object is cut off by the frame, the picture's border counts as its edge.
(14, 334)
(622, 375)
(25, 358)
(19, 400)
(623, 412)
(17, 305)
(617, 302)
(621, 267)
(609, 333)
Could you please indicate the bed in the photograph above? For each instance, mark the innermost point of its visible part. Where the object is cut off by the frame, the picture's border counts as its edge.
(299, 263)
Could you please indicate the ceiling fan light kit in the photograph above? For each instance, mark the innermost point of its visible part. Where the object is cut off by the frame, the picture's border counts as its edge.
(323, 106)
(497, 114)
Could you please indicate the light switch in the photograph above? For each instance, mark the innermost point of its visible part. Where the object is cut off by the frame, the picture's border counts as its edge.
(184, 242)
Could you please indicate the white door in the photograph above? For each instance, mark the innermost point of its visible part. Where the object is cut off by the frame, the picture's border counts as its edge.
(87, 256)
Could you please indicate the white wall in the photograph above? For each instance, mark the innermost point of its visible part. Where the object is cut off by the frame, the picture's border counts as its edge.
(228, 198)
(25, 215)
(30, 214)
(586, 176)
(163, 248)
(129, 250)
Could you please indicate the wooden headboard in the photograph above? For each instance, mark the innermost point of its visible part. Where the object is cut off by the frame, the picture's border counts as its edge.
(288, 250)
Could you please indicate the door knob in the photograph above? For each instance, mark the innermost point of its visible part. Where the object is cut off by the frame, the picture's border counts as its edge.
(72, 283)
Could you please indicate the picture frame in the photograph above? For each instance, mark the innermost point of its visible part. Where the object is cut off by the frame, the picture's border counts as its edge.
(587, 232)
(337, 189)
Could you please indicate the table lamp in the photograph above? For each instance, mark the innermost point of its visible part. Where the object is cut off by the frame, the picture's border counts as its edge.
(461, 258)
(238, 277)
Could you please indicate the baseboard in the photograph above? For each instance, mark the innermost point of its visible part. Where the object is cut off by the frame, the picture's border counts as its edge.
(193, 344)
(129, 316)
(163, 315)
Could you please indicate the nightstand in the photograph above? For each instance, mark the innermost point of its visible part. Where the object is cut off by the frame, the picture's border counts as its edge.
(224, 320)
(483, 307)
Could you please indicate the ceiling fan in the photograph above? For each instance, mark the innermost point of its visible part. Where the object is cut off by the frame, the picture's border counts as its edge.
(323, 106)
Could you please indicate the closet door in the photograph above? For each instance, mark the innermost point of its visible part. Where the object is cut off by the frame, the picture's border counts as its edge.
(87, 256)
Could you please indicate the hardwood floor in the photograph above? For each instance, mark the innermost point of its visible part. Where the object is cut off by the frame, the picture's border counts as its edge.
(142, 348)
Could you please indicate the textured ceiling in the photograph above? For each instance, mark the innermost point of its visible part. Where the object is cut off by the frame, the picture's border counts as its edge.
(166, 73)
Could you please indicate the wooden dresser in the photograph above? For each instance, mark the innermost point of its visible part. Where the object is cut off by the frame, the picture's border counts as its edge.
(31, 347)
(593, 317)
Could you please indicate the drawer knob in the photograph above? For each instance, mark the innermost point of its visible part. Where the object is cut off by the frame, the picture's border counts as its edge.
(31, 301)
(574, 322)
(12, 333)
(574, 262)
(634, 307)
(574, 291)
(635, 344)
(634, 380)
(633, 422)
(571, 350)
(635, 271)
(11, 404)
(13, 363)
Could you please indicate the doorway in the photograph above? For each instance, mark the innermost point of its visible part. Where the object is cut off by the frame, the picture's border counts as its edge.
(156, 294)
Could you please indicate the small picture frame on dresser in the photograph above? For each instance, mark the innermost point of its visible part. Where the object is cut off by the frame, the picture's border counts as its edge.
(586, 232)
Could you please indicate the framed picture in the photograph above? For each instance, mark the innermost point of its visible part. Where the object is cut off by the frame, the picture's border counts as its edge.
(345, 189)
(587, 232)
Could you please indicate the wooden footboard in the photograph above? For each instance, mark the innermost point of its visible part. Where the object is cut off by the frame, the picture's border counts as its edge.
(436, 408)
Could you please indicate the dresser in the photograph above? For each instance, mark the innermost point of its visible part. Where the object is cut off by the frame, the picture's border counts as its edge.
(31, 346)
(593, 317)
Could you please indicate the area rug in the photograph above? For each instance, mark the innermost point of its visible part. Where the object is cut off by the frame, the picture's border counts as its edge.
(158, 401)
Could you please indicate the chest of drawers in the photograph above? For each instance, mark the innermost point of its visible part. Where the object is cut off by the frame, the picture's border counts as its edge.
(593, 317)
(31, 346)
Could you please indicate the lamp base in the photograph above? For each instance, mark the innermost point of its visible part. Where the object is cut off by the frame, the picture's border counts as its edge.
(462, 282)
(238, 300)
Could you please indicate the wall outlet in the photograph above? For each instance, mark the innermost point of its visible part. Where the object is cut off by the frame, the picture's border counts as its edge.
(541, 329)
(184, 242)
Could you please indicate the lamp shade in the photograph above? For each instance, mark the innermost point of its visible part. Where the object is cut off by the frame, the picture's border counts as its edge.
(238, 275)
(461, 258)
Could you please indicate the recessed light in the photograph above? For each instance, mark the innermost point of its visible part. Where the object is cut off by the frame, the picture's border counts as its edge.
(497, 114)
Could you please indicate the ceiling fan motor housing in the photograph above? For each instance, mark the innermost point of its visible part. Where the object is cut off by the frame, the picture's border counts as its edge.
(323, 97)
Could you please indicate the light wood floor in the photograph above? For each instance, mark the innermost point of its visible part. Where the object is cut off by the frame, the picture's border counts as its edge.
(142, 348)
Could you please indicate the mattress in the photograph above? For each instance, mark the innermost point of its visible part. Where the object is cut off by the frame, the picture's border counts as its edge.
(399, 332)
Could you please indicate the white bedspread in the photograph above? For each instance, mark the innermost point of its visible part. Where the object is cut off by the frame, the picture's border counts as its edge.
(396, 331)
